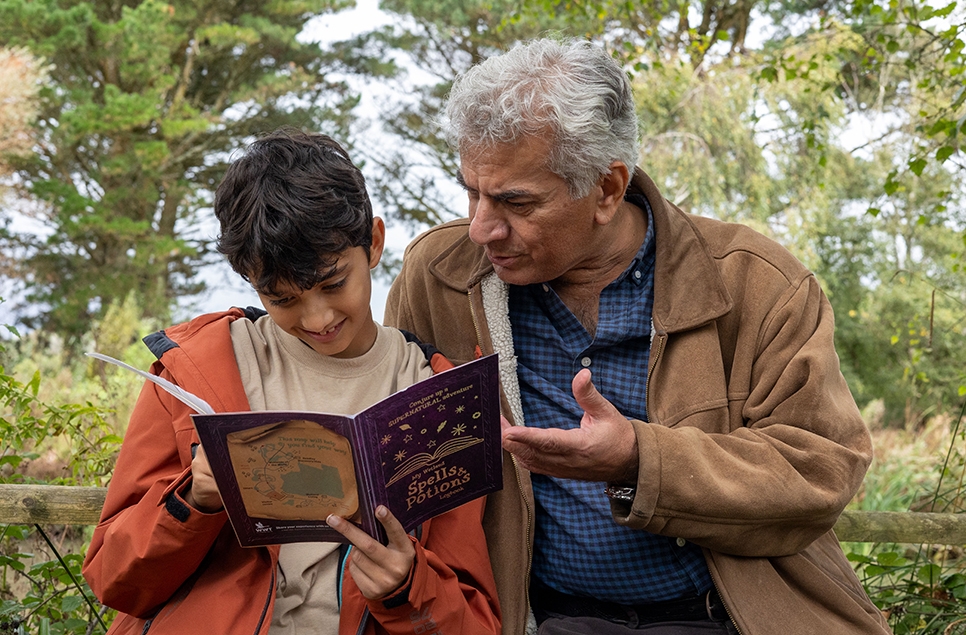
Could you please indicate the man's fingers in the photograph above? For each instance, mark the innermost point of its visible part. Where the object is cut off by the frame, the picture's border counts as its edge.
(536, 440)
(505, 423)
(588, 397)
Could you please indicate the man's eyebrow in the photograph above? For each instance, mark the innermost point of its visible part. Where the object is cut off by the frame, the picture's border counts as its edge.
(509, 195)
(499, 196)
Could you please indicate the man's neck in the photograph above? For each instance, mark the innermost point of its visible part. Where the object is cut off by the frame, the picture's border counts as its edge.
(619, 243)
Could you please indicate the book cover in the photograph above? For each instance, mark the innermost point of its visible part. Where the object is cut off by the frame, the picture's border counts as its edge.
(420, 452)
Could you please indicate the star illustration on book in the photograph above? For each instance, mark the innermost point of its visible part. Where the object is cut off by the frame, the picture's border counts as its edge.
(460, 408)
(431, 444)
(459, 429)
(386, 439)
(407, 438)
(400, 455)
(441, 407)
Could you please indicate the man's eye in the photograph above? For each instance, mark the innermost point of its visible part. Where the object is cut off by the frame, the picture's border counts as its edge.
(280, 302)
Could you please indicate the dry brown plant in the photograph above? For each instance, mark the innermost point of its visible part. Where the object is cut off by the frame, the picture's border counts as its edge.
(21, 77)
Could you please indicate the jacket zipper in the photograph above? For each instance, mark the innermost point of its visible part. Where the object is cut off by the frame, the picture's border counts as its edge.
(714, 580)
(526, 503)
(268, 599)
(662, 340)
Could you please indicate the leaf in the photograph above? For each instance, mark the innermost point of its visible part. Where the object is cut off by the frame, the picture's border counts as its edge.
(71, 603)
(929, 574)
(917, 166)
(944, 153)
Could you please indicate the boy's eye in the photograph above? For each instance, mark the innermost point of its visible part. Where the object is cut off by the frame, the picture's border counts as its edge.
(280, 302)
(334, 286)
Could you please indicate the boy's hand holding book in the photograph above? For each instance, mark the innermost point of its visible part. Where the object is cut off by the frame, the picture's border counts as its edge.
(203, 492)
(378, 570)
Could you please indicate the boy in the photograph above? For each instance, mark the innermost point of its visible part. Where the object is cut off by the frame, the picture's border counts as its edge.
(296, 222)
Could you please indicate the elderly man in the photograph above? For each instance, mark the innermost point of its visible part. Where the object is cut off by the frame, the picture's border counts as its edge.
(682, 438)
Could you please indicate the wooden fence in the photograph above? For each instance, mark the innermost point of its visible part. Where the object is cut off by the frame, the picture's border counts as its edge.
(64, 505)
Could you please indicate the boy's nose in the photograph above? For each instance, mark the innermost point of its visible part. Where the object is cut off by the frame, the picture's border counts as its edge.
(317, 315)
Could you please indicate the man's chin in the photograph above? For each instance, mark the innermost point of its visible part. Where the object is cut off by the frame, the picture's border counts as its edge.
(514, 276)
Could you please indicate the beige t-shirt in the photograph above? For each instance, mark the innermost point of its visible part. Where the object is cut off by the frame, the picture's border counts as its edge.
(280, 372)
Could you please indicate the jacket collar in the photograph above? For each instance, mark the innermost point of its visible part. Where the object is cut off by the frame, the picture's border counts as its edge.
(688, 289)
(451, 266)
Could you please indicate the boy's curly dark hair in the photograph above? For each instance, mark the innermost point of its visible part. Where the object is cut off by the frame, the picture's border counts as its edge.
(289, 207)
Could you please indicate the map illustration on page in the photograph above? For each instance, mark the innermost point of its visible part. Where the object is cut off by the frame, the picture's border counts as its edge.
(420, 452)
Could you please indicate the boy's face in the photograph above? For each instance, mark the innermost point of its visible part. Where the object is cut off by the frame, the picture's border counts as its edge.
(334, 317)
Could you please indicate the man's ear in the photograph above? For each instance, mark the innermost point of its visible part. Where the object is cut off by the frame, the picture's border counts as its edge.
(378, 242)
(612, 187)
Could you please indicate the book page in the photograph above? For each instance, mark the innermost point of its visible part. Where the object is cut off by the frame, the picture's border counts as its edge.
(294, 470)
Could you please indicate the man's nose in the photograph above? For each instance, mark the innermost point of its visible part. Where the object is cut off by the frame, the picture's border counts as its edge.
(486, 222)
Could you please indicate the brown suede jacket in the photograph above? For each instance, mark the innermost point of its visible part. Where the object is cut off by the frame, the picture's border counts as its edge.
(754, 444)
(172, 570)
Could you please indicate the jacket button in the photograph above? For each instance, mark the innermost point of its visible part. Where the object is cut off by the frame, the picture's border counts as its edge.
(681, 542)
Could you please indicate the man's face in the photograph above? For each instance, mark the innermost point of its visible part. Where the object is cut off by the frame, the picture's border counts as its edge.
(522, 214)
(333, 317)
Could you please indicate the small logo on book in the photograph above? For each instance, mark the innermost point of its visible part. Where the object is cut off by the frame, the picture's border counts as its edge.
(259, 527)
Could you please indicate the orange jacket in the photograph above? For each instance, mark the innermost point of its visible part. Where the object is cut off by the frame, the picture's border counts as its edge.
(170, 569)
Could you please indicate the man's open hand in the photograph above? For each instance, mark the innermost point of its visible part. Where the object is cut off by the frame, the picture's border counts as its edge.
(603, 448)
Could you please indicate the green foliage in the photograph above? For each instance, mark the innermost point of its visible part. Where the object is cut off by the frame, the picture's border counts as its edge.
(922, 589)
(41, 587)
(43, 591)
(28, 423)
(917, 595)
(145, 103)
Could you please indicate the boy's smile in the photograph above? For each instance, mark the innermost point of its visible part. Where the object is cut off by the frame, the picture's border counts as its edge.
(333, 317)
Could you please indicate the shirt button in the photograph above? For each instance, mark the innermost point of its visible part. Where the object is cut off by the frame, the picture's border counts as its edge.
(585, 362)
(681, 542)
(638, 274)
(546, 288)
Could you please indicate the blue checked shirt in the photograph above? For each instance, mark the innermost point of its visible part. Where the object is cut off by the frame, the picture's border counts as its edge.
(579, 549)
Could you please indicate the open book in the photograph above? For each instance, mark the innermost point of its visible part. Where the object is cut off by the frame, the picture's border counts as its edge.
(420, 452)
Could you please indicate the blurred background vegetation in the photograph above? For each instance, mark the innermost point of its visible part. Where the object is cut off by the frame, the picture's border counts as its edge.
(832, 125)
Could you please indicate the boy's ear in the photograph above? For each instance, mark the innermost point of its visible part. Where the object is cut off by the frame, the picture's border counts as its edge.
(378, 241)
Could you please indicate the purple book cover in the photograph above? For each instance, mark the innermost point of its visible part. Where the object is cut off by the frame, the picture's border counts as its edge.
(421, 452)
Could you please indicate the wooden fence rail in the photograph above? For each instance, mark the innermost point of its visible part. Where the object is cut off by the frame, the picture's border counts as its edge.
(65, 505)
